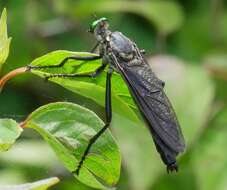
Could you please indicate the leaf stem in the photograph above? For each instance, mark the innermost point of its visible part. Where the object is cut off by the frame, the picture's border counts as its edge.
(23, 124)
(10, 75)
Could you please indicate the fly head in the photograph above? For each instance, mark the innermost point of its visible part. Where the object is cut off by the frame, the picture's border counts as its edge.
(100, 29)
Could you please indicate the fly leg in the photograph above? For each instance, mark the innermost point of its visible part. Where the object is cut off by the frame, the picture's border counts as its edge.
(64, 61)
(74, 75)
(95, 47)
(108, 109)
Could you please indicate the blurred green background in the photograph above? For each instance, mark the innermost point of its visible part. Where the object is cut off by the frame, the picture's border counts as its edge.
(186, 45)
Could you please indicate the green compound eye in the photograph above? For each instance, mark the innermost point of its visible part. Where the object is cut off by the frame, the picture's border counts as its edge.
(95, 23)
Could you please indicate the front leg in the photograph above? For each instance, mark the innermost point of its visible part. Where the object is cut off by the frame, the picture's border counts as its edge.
(95, 47)
(64, 61)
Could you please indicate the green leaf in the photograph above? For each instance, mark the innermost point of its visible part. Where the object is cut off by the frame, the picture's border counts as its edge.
(91, 88)
(4, 40)
(9, 132)
(67, 128)
(39, 185)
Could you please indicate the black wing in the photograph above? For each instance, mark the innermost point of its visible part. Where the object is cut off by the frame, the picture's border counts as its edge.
(147, 90)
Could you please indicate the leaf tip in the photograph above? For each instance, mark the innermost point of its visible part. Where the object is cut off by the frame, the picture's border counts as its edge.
(4, 13)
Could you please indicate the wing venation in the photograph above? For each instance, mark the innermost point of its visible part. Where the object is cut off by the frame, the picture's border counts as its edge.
(147, 90)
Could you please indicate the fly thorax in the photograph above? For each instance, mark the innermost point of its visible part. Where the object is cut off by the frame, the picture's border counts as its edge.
(121, 46)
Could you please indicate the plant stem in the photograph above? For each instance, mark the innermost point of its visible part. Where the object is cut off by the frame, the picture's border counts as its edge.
(10, 75)
(23, 124)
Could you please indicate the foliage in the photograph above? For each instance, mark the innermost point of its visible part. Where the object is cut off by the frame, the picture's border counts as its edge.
(68, 128)
(4, 40)
(10, 131)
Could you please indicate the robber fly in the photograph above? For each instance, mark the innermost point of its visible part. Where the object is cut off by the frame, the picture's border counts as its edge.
(122, 55)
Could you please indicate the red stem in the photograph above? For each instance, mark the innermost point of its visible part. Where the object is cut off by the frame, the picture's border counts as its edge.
(10, 75)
